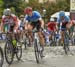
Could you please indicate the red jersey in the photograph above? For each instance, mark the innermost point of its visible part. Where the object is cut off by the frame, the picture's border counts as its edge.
(51, 26)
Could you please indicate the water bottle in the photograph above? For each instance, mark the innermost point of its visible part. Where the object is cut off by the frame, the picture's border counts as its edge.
(14, 42)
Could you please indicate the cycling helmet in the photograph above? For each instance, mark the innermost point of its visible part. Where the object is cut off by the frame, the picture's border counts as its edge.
(52, 19)
(7, 12)
(61, 14)
(27, 10)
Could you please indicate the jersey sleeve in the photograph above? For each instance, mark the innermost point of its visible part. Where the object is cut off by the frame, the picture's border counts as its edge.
(58, 20)
(15, 19)
(2, 19)
(38, 15)
(67, 19)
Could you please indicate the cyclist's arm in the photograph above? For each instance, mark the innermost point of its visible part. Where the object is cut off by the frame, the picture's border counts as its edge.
(25, 24)
(16, 20)
(42, 22)
(2, 25)
(69, 22)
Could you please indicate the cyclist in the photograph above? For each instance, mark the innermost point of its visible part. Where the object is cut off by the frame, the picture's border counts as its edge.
(9, 21)
(10, 24)
(21, 27)
(64, 23)
(51, 27)
(33, 19)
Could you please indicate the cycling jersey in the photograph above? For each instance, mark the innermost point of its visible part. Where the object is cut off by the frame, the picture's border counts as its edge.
(9, 21)
(63, 22)
(51, 26)
(21, 25)
(34, 18)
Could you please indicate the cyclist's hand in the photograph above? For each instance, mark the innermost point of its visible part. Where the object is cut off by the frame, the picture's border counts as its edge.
(15, 31)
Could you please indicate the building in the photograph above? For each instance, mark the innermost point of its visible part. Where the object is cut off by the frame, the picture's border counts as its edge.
(42, 1)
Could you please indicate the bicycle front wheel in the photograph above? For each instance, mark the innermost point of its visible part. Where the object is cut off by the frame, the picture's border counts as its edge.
(1, 57)
(37, 53)
(9, 52)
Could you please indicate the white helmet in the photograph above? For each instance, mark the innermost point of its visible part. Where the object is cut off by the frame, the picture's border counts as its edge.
(52, 19)
(7, 12)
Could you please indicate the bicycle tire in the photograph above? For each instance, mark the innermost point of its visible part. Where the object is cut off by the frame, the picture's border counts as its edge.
(66, 43)
(26, 44)
(2, 57)
(36, 51)
(19, 48)
(9, 46)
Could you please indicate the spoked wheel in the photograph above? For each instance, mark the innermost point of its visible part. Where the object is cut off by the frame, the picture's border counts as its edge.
(9, 52)
(37, 52)
(26, 43)
(18, 51)
(53, 41)
(1, 57)
(73, 41)
(66, 44)
(66, 48)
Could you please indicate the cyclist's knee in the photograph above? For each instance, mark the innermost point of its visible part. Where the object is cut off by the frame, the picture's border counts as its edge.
(40, 35)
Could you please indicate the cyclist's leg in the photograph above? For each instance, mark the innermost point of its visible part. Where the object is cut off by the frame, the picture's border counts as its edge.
(41, 37)
(30, 34)
(42, 40)
(40, 33)
(62, 36)
(21, 34)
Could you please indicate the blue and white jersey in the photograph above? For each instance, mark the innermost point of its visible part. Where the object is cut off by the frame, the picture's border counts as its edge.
(63, 22)
(34, 18)
(66, 19)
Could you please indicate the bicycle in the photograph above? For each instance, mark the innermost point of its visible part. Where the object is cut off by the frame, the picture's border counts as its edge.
(66, 42)
(53, 40)
(11, 49)
(1, 57)
(37, 46)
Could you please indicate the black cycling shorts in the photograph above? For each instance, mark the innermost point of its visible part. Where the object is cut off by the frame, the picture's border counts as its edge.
(36, 24)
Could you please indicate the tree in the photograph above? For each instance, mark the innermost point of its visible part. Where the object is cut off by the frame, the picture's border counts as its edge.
(17, 5)
(1, 7)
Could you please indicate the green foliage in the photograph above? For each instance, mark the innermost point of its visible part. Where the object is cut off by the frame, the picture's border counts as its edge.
(55, 7)
(18, 6)
(1, 7)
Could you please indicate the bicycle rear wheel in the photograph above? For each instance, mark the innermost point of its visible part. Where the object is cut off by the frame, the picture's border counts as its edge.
(1, 57)
(9, 52)
(26, 42)
(19, 51)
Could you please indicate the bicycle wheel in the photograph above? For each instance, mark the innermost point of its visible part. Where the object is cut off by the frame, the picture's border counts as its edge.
(1, 57)
(66, 43)
(66, 48)
(26, 43)
(9, 52)
(37, 53)
(19, 51)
